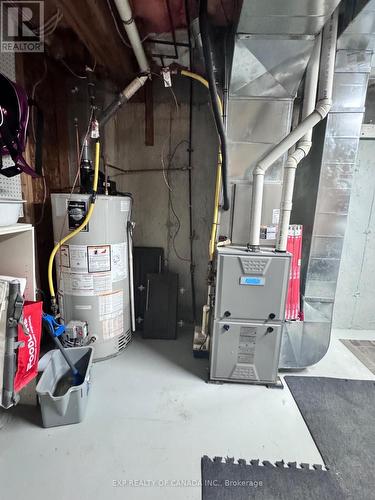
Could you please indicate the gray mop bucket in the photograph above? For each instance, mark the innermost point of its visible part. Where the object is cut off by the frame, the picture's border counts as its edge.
(70, 407)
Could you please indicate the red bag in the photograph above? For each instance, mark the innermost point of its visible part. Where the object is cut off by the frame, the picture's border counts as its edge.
(30, 333)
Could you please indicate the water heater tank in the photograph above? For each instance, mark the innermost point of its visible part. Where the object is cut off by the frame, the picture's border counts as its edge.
(92, 269)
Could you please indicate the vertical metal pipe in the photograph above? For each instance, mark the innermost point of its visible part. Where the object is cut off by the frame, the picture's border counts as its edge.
(131, 274)
(190, 151)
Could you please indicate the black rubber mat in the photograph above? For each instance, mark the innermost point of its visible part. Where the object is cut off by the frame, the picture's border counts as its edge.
(340, 415)
(227, 480)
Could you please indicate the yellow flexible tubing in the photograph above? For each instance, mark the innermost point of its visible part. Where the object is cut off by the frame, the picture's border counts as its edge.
(211, 249)
(79, 228)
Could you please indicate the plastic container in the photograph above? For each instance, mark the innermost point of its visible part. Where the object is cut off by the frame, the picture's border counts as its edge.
(68, 408)
(10, 211)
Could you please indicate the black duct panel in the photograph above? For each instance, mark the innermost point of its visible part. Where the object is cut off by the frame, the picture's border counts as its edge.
(146, 260)
(161, 306)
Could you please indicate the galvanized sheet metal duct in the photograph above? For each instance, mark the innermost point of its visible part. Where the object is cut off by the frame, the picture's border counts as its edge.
(328, 173)
(273, 44)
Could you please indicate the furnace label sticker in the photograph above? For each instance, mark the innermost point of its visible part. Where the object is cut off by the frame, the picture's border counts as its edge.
(111, 314)
(246, 346)
(119, 259)
(99, 258)
(276, 216)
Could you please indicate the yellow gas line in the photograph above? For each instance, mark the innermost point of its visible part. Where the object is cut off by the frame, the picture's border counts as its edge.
(211, 248)
(79, 228)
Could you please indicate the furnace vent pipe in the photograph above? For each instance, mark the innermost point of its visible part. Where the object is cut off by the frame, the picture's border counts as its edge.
(126, 15)
(303, 146)
(321, 110)
(131, 29)
(122, 98)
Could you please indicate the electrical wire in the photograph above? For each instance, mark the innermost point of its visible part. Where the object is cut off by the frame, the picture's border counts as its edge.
(50, 25)
(172, 205)
(64, 63)
(73, 187)
(171, 91)
(35, 86)
(33, 92)
(2, 116)
(167, 139)
(163, 166)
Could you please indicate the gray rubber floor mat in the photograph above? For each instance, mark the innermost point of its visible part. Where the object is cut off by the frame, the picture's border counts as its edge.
(364, 350)
(340, 415)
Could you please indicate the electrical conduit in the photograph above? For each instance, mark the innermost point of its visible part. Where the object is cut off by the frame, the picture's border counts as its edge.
(321, 110)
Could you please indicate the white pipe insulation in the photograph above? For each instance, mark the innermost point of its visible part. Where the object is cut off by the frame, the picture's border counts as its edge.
(321, 110)
(131, 29)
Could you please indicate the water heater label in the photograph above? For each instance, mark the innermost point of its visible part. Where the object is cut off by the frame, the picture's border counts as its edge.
(76, 214)
(111, 314)
(252, 280)
(119, 261)
(64, 255)
(82, 284)
(78, 258)
(99, 258)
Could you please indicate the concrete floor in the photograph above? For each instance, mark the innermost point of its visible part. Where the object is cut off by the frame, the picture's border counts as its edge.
(151, 417)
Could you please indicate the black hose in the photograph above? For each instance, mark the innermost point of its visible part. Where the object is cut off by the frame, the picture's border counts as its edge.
(207, 52)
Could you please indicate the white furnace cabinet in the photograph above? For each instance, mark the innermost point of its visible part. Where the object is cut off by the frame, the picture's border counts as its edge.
(251, 289)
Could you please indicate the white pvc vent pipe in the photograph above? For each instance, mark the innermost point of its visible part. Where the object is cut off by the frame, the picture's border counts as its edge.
(126, 15)
(302, 149)
(320, 112)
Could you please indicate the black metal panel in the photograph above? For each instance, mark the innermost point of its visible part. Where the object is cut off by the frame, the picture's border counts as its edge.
(146, 260)
(161, 306)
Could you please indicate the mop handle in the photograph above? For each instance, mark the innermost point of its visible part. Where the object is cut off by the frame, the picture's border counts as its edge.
(55, 330)
(66, 357)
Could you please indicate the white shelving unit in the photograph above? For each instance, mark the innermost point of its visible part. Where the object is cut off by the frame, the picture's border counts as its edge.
(17, 255)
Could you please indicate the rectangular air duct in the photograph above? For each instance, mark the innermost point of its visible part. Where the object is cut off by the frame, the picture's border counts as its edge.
(272, 47)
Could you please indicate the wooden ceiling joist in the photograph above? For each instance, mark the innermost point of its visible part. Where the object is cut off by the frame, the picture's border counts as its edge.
(92, 22)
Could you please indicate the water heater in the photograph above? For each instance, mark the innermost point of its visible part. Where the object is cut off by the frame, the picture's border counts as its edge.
(92, 271)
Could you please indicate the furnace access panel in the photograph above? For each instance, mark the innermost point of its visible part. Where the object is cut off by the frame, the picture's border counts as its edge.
(251, 290)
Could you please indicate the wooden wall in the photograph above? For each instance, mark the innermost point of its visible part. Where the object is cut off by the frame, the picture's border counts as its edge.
(52, 98)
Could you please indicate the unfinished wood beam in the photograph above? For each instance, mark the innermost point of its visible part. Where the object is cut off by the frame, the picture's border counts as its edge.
(149, 114)
(93, 24)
